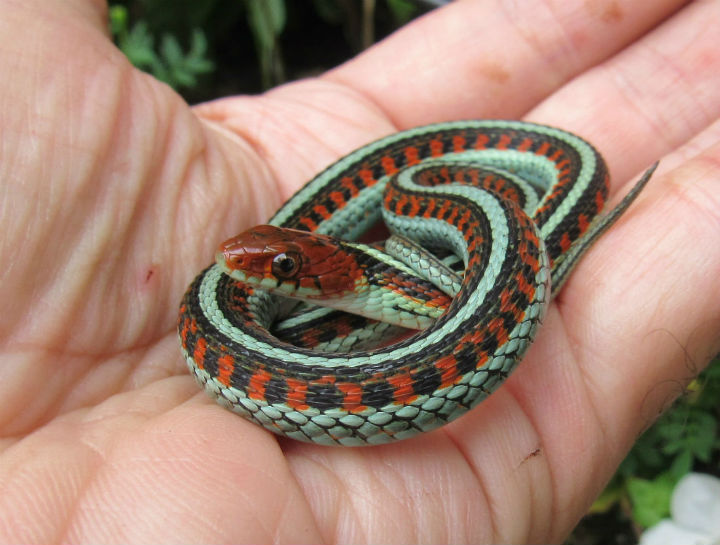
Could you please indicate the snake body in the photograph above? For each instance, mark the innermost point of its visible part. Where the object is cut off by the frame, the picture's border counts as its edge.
(519, 203)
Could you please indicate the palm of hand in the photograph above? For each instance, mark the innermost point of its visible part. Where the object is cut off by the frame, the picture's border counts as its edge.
(116, 193)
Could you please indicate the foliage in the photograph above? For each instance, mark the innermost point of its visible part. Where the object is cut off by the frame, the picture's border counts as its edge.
(169, 63)
(650, 498)
(289, 39)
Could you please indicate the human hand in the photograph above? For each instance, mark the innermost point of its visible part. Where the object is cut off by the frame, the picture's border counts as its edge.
(114, 195)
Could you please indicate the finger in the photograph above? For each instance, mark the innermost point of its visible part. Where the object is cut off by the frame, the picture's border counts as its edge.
(648, 100)
(476, 59)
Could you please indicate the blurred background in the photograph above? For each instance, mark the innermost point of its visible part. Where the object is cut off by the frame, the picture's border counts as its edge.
(207, 49)
(210, 48)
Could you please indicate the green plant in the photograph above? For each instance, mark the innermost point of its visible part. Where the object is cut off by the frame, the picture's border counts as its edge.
(169, 63)
(252, 44)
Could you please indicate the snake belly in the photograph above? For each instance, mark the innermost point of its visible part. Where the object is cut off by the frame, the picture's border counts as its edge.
(456, 182)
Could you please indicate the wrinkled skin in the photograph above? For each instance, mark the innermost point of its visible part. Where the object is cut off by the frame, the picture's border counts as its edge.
(115, 194)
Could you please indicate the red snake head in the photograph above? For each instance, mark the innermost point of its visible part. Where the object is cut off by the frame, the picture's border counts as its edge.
(296, 263)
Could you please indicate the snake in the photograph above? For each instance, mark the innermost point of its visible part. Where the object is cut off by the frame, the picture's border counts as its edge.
(399, 287)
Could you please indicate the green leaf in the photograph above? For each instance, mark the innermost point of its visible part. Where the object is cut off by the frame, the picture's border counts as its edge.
(138, 46)
(702, 435)
(651, 498)
(198, 45)
(681, 465)
(180, 77)
(695, 432)
(177, 68)
(171, 50)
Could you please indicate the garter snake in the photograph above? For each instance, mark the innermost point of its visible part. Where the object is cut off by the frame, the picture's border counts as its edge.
(519, 203)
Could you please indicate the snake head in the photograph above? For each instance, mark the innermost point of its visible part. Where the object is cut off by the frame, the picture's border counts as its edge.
(295, 263)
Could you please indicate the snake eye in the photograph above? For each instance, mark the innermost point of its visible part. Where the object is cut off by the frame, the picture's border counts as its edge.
(286, 265)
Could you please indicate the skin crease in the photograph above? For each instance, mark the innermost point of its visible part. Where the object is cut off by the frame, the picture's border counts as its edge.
(115, 193)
